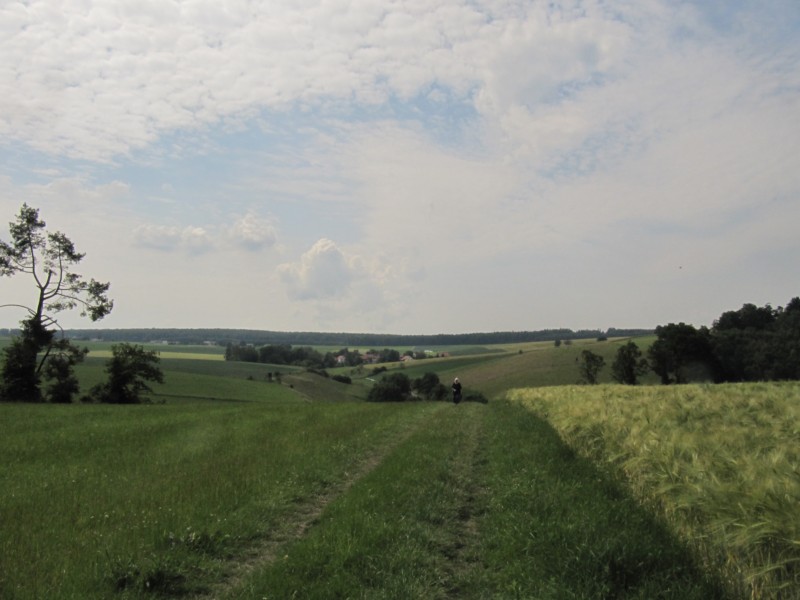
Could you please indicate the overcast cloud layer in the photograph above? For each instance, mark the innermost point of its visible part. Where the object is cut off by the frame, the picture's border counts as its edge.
(416, 166)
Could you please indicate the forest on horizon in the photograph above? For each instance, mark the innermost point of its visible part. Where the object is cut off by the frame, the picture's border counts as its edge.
(343, 339)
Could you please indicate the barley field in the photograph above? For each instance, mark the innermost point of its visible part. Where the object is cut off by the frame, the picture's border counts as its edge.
(721, 463)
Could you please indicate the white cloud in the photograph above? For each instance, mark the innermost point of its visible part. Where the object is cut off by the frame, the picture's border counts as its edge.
(99, 81)
(253, 233)
(324, 271)
(191, 239)
(441, 142)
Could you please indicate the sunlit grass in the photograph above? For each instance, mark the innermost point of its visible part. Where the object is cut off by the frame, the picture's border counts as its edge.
(98, 499)
(483, 501)
(721, 462)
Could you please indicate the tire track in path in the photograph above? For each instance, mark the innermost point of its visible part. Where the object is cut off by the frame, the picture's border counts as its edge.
(461, 549)
(303, 516)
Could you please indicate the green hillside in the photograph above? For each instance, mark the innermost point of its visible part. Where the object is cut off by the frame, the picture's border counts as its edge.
(247, 480)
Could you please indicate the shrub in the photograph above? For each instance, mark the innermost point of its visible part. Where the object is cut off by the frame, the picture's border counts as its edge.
(429, 387)
(129, 368)
(395, 387)
(475, 397)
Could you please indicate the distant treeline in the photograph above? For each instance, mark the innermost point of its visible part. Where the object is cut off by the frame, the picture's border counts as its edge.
(306, 356)
(223, 337)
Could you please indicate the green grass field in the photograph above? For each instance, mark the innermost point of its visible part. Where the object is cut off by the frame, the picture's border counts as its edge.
(233, 486)
(274, 499)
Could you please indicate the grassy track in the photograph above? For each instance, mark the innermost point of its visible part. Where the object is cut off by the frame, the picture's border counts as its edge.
(239, 487)
(482, 502)
(109, 501)
(556, 527)
(258, 500)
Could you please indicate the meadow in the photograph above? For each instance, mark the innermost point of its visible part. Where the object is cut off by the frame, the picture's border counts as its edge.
(234, 486)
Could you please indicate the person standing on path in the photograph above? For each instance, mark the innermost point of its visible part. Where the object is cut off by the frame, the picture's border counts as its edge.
(456, 391)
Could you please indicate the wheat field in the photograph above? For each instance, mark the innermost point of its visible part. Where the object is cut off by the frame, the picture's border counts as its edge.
(721, 464)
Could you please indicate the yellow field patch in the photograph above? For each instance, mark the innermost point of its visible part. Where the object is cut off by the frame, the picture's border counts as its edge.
(166, 354)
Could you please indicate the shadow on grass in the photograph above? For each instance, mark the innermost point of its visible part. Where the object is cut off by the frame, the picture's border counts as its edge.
(557, 527)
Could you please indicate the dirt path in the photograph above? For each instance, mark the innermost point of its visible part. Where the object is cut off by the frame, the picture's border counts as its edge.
(298, 521)
(470, 502)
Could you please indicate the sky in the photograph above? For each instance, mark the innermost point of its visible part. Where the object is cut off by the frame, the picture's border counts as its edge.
(408, 166)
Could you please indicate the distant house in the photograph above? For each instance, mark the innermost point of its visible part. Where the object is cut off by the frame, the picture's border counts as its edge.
(370, 358)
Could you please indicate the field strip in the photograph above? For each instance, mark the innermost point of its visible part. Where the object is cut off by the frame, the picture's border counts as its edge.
(461, 553)
(302, 517)
(166, 354)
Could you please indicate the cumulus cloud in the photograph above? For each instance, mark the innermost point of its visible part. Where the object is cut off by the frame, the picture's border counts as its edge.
(191, 239)
(324, 271)
(249, 232)
(253, 233)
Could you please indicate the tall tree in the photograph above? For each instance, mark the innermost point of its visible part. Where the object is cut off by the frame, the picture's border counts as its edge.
(679, 349)
(590, 366)
(48, 258)
(129, 370)
(58, 370)
(629, 364)
(758, 343)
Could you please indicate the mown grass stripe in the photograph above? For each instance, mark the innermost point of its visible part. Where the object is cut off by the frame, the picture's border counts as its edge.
(393, 534)
(485, 502)
(304, 515)
(118, 501)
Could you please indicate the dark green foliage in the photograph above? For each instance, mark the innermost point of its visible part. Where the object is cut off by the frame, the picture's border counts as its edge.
(352, 358)
(34, 355)
(21, 374)
(429, 387)
(129, 368)
(304, 356)
(59, 371)
(758, 344)
(20, 380)
(395, 387)
(241, 353)
(590, 366)
(475, 397)
(750, 344)
(386, 355)
(342, 379)
(629, 364)
(679, 349)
